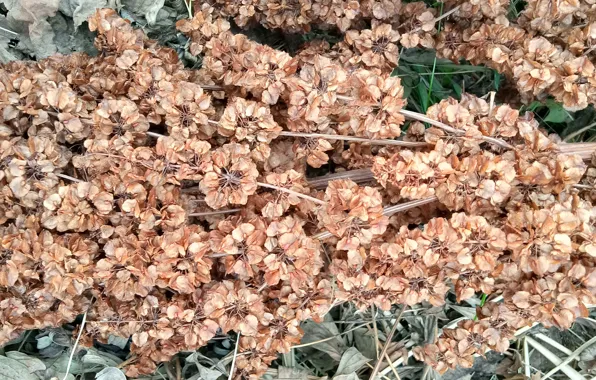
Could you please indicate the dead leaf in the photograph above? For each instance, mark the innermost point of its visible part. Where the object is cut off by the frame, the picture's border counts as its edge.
(11, 369)
(68, 39)
(364, 341)
(351, 376)
(41, 36)
(100, 358)
(110, 373)
(287, 373)
(351, 361)
(118, 341)
(145, 8)
(468, 312)
(204, 372)
(314, 332)
(32, 363)
(80, 10)
(31, 11)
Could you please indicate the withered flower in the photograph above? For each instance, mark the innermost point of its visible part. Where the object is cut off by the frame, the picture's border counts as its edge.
(240, 243)
(377, 47)
(279, 202)
(79, 207)
(120, 118)
(290, 255)
(353, 213)
(250, 121)
(230, 176)
(281, 329)
(181, 263)
(187, 110)
(126, 271)
(234, 306)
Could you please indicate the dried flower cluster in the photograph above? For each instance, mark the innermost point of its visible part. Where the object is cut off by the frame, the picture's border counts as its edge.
(548, 50)
(172, 205)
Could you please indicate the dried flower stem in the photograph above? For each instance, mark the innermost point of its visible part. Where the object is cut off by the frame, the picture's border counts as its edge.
(390, 364)
(178, 369)
(571, 357)
(292, 192)
(408, 205)
(215, 212)
(447, 14)
(387, 342)
(553, 343)
(218, 255)
(68, 177)
(582, 186)
(153, 134)
(356, 175)
(231, 376)
(579, 132)
(527, 370)
(411, 144)
(8, 31)
(331, 337)
(74, 348)
(376, 331)
(570, 372)
(188, 4)
(127, 361)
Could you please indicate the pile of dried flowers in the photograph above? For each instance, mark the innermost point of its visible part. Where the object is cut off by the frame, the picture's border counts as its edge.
(172, 205)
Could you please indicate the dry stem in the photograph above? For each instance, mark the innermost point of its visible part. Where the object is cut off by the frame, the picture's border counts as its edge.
(292, 192)
(74, 348)
(411, 144)
(387, 342)
(215, 212)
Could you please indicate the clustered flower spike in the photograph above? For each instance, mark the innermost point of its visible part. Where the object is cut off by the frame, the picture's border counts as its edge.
(173, 205)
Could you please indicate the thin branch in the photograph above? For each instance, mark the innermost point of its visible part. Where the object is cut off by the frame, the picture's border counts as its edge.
(231, 376)
(218, 255)
(408, 205)
(74, 348)
(411, 144)
(68, 177)
(127, 361)
(579, 132)
(376, 331)
(553, 343)
(356, 175)
(571, 357)
(292, 192)
(570, 372)
(446, 14)
(153, 134)
(392, 367)
(382, 376)
(215, 212)
(421, 117)
(527, 370)
(387, 342)
(211, 87)
(331, 337)
(398, 362)
(9, 31)
(24, 340)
